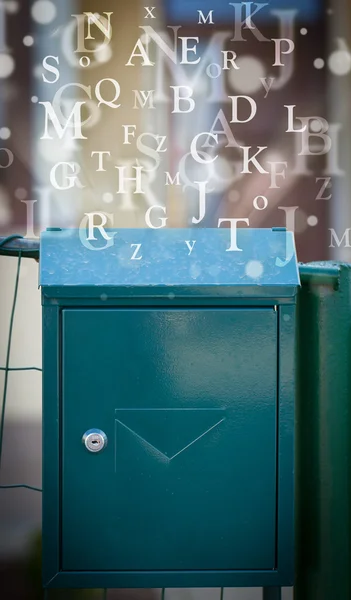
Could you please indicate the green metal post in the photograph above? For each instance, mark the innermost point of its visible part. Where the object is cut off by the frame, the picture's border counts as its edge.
(323, 432)
(272, 593)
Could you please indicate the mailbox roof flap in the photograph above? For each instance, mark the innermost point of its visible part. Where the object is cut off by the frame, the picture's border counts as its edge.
(189, 258)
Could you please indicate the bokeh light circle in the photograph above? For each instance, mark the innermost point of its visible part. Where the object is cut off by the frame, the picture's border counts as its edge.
(254, 269)
(108, 197)
(5, 133)
(318, 63)
(28, 40)
(7, 65)
(312, 221)
(246, 79)
(339, 62)
(43, 11)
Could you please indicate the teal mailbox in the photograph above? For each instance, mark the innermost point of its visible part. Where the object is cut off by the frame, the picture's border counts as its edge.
(169, 381)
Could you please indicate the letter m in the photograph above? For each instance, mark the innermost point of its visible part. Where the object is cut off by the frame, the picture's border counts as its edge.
(174, 181)
(73, 121)
(335, 238)
(143, 97)
(203, 19)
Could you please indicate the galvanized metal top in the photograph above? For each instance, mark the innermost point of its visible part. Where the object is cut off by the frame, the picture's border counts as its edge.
(168, 257)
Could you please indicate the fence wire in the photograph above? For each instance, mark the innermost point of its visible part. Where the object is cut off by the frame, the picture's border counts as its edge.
(7, 368)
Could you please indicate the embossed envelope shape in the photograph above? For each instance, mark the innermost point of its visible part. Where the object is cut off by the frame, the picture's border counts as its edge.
(165, 433)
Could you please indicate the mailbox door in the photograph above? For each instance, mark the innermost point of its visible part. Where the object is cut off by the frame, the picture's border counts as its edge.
(188, 401)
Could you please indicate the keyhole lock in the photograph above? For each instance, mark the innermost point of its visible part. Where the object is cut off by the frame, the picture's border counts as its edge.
(94, 440)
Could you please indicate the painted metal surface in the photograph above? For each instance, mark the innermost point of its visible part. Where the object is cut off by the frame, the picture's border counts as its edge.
(188, 401)
(323, 458)
(272, 593)
(266, 258)
(196, 397)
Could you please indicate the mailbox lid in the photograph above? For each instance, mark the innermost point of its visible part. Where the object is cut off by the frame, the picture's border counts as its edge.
(148, 262)
(188, 401)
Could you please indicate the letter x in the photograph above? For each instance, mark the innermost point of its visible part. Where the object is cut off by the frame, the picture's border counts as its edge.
(150, 12)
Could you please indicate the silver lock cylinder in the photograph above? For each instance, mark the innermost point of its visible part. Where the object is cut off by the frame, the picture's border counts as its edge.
(94, 440)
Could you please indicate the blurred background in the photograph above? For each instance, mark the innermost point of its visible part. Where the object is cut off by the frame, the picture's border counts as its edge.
(313, 199)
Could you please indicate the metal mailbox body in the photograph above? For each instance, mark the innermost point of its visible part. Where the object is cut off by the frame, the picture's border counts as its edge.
(185, 359)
